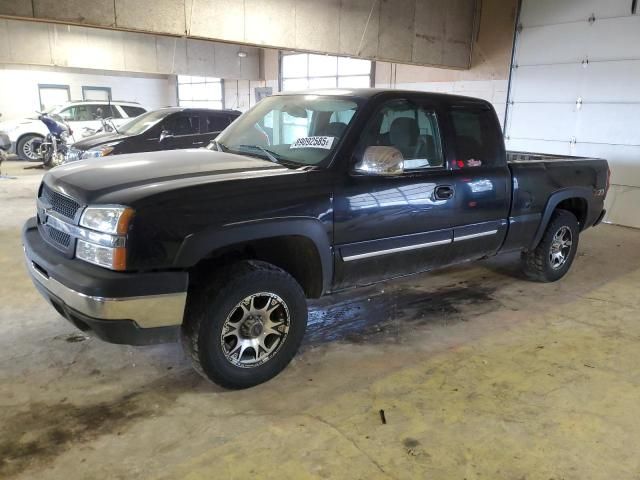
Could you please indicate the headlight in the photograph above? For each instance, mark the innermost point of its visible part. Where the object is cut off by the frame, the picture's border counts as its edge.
(113, 220)
(112, 258)
(100, 151)
(104, 243)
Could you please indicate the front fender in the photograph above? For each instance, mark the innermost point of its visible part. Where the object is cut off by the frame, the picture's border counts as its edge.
(199, 245)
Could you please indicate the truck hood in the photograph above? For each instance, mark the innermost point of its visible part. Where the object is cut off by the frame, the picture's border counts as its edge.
(125, 179)
(98, 139)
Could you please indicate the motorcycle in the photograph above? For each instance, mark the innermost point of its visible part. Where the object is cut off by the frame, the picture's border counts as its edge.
(107, 126)
(54, 146)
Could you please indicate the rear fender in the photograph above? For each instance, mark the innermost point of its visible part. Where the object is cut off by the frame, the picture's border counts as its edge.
(554, 200)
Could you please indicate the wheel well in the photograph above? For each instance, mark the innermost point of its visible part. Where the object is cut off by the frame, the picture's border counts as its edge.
(577, 206)
(295, 254)
(32, 134)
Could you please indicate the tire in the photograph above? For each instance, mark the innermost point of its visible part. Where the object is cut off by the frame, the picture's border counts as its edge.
(543, 264)
(227, 302)
(26, 150)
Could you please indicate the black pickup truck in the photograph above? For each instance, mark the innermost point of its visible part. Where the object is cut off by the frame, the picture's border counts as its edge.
(303, 195)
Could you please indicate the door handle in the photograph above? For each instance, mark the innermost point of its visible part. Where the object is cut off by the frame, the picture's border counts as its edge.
(443, 192)
(198, 143)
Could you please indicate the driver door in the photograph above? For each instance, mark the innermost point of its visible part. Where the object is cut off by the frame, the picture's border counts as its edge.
(393, 225)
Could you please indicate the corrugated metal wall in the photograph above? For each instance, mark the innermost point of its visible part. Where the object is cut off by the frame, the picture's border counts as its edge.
(575, 89)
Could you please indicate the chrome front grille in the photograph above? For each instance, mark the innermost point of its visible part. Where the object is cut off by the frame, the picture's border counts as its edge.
(61, 238)
(56, 208)
(58, 203)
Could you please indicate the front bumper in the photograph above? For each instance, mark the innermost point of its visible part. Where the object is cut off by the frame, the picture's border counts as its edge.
(127, 308)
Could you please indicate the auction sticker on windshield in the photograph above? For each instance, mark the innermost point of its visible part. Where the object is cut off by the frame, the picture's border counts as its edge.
(313, 142)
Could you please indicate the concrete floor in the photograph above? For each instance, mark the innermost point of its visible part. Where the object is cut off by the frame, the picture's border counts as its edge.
(480, 375)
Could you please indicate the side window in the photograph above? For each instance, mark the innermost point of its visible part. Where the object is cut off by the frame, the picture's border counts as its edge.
(86, 113)
(68, 114)
(217, 123)
(182, 124)
(132, 111)
(343, 116)
(113, 112)
(477, 139)
(410, 128)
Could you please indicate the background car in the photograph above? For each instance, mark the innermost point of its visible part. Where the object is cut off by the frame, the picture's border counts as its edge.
(84, 118)
(164, 129)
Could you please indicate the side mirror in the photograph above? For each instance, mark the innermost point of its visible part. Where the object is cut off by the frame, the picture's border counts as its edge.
(164, 135)
(385, 161)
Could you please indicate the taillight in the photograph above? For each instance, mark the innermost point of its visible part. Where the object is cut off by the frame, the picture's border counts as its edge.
(606, 190)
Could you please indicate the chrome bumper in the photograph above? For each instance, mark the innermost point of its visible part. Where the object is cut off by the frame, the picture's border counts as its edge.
(147, 312)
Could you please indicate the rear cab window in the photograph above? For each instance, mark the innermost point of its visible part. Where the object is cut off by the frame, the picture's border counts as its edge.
(477, 137)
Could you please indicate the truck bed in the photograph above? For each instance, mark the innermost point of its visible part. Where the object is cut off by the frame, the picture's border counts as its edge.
(541, 181)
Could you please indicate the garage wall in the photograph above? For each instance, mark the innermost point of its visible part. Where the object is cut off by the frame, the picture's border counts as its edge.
(240, 94)
(19, 87)
(47, 44)
(488, 76)
(436, 32)
(576, 90)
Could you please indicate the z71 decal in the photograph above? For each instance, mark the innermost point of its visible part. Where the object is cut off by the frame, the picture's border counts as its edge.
(313, 142)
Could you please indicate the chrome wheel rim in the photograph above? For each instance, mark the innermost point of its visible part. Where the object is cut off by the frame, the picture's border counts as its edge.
(31, 148)
(560, 247)
(255, 330)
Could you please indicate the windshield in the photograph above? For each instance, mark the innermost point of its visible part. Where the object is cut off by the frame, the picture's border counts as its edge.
(142, 123)
(296, 129)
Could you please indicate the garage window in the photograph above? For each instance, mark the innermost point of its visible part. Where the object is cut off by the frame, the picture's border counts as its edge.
(53, 95)
(301, 71)
(204, 92)
(96, 93)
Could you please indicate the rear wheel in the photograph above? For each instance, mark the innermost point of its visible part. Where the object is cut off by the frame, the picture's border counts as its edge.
(245, 326)
(552, 258)
(28, 146)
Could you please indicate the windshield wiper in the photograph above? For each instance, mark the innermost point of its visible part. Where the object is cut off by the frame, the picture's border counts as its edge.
(270, 155)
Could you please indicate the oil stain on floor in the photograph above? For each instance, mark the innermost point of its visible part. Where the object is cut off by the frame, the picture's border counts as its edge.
(40, 431)
(378, 314)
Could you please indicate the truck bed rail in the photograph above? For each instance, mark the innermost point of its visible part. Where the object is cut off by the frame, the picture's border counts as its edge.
(514, 157)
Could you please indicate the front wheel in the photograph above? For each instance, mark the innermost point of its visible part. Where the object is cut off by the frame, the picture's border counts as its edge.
(245, 326)
(552, 258)
(28, 147)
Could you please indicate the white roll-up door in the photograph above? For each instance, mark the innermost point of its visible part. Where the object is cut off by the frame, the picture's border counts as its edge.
(575, 89)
